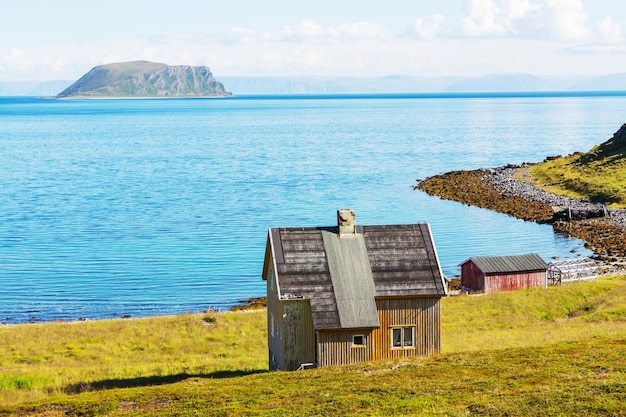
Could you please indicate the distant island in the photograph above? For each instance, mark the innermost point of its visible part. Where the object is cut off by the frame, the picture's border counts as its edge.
(145, 79)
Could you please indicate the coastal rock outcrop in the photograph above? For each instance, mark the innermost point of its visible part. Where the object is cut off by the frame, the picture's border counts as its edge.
(603, 230)
(563, 208)
(146, 79)
(476, 188)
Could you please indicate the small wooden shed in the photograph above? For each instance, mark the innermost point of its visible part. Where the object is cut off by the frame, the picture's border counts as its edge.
(346, 294)
(503, 273)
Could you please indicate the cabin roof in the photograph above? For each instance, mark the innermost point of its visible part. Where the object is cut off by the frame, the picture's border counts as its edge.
(508, 264)
(341, 275)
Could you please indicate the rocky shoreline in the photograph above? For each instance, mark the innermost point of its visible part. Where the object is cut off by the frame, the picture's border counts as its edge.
(603, 230)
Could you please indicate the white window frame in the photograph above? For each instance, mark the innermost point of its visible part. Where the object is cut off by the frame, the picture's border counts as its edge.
(402, 342)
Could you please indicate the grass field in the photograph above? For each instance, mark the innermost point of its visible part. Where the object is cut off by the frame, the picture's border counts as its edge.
(555, 351)
(597, 175)
(597, 182)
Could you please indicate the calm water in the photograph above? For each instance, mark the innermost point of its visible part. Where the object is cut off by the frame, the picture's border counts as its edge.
(141, 207)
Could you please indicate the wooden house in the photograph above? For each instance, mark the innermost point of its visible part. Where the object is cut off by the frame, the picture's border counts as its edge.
(346, 294)
(502, 273)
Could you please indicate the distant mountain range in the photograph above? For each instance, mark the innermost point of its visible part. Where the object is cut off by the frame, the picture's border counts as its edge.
(414, 84)
(33, 88)
(185, 77)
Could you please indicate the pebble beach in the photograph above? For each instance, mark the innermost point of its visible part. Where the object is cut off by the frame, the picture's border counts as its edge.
(499, 189)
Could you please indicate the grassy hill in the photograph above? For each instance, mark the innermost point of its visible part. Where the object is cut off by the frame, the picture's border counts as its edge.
(598, 175)
(146, 79)
(555, 351)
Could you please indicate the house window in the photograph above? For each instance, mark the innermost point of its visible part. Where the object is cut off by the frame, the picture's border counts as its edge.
(403, 337)
(358, 340)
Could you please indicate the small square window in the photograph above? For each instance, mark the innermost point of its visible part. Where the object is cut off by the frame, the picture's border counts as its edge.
(358, 340)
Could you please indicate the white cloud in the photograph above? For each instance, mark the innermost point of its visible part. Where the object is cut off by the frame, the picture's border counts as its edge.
(240, 35)
(517, 9)
(556, 19)
(151, 53)
(484, 19)
(610, 31)
(56, 65)
(427, 28)
(606, 51)
(359, 30)
(111, 59)
(518, 16)
(309, 59)
(304, 30)
(16, 60)
(308, 31)
(567, 19)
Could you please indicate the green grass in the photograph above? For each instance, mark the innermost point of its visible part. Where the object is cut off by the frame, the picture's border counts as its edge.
(597, 175)
(555, 351)
(596, 181)
(39, 360)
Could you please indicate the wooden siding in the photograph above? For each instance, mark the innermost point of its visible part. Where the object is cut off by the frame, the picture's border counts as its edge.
(516, 281)
(290, 336)
(424, 314)
(471, 277)
(274, 313)
(293, 341)
(334, 347)
(298, 337)
(475, 280)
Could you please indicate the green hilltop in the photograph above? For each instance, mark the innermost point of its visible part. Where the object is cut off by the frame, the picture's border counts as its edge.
(146, 79)
(598, 175)
(611, 152)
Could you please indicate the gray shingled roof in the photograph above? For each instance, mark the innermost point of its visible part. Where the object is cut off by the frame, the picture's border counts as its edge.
(340, 276)
(514, 263)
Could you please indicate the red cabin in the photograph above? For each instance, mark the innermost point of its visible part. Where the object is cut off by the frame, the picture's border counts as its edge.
(503, 273)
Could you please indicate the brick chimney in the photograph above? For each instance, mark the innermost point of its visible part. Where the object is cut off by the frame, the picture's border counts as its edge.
(346, 222)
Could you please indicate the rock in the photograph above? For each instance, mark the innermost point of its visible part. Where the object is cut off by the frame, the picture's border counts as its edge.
(603, 230)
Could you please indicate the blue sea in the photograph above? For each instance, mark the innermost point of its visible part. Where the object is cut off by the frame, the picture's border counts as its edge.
(112, 208)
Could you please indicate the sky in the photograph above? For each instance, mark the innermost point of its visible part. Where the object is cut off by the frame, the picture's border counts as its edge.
(63, 39)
